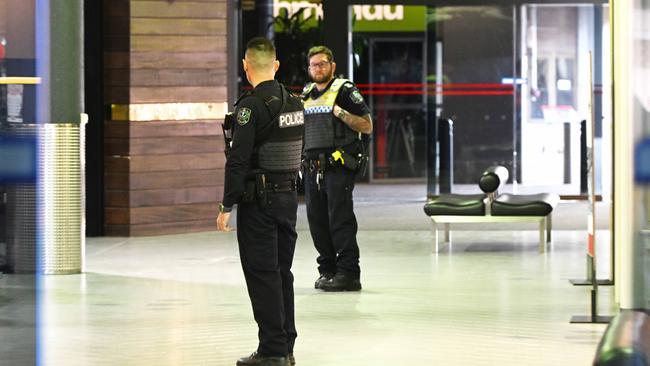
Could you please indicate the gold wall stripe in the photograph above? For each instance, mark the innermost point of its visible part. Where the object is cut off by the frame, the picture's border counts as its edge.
(168, 111)
(19, 80)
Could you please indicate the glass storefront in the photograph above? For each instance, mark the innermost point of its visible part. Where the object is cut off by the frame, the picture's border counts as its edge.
(513, 81)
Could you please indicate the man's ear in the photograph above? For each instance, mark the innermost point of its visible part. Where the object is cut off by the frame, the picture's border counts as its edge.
(276, 65)
(333, 68)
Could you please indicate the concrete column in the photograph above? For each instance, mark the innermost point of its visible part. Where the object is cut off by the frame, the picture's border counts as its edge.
(621, 15)
(59, 29)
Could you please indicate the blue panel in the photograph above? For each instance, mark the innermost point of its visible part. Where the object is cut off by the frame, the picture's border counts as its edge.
(18, 163)
(642, 162)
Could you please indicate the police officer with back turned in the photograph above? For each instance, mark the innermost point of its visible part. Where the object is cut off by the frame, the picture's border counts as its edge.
(336, 120)
(263, 160)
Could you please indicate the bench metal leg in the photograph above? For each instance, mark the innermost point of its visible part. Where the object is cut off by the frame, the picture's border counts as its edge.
(437, 239)
(549, 226)
(436, 245)
(542, 232)
(448, 233)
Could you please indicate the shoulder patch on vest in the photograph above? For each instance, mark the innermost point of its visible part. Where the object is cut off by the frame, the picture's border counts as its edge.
(243, 116)
(356, 97)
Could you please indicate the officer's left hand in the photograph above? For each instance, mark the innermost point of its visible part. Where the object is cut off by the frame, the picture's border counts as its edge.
(222, 222)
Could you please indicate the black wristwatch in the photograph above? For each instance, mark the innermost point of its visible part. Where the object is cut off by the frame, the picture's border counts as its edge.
(223, 208)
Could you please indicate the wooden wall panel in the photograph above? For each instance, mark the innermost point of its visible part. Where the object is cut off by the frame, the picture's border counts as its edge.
(147, 43)
(164, 197)
(162, 180)
(177, 94)
(176, 162)
(163, 145)
(161, 176)
(178, 26)
(172, 60)
(178, 9)
(177, 77)
(120, 129)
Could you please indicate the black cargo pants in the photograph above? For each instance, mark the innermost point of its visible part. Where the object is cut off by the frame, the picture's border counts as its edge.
(332, 223)
(267, 241)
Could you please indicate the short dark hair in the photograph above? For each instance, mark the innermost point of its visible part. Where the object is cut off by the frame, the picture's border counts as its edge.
(261, 52)
(320, 49)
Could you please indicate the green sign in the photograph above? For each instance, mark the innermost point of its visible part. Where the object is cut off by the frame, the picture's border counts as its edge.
(365, 18)
(389, 18)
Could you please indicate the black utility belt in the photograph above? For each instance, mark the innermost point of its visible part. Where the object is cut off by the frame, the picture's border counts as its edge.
(287, 186)
(253, 186)
(258, 188)
(337, 157)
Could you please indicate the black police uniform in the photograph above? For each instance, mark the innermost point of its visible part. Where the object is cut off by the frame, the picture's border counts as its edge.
(260, 177)
(330, 208)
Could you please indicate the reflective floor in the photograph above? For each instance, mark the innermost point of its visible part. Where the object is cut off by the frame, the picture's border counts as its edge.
(489, 299)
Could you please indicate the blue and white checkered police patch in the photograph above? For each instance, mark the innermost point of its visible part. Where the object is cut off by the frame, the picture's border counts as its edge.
(318, 109)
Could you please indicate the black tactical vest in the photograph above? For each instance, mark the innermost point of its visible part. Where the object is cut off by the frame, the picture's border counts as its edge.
(322, 129)
(279, 144)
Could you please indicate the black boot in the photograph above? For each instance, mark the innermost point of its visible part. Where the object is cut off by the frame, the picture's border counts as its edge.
(342, 282)
(324, 277)
(255, 359)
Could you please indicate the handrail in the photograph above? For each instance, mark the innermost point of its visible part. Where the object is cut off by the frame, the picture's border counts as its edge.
(20, 80)
(626, 341)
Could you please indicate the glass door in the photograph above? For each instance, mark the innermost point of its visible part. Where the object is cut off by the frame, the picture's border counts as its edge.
(471, 72)
(398, 105)
(554, 53)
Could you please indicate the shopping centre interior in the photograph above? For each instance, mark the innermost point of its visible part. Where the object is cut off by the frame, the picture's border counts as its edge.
(109, 253)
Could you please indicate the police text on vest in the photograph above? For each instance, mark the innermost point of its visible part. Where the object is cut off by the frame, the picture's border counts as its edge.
(292, 119)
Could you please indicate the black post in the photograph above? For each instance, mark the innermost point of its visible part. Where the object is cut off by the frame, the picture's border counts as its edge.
(584, 169)
(567, 152)
(94, 107)
(431, 158)
(446, 154)
(336, 25)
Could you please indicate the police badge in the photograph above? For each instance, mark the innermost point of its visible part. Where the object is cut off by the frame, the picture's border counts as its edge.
(243, 116)
(356, 97)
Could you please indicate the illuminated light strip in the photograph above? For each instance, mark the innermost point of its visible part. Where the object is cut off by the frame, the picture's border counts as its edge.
(447, 92)
(168, 111)
(20, 80)
(444, 86)
(415, 86)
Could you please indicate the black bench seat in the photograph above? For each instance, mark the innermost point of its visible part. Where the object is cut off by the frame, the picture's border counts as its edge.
(492, 207)
(456, 204)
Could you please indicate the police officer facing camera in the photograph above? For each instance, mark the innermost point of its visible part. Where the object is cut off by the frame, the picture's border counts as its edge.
(336, 119)
(263, 161)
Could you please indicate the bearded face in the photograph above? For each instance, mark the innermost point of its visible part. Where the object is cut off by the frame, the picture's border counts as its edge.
(321, 70)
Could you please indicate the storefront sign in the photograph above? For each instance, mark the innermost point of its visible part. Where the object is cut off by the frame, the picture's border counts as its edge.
(366, 18)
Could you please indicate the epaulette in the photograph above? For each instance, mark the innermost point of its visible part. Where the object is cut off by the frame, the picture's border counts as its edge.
(338, 83)
(307, 89)
(245, 94)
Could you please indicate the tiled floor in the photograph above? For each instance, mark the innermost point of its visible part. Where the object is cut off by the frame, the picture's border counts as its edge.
(490, 299)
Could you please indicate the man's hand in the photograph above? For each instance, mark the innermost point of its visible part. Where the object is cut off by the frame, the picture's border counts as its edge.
(222, 222)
